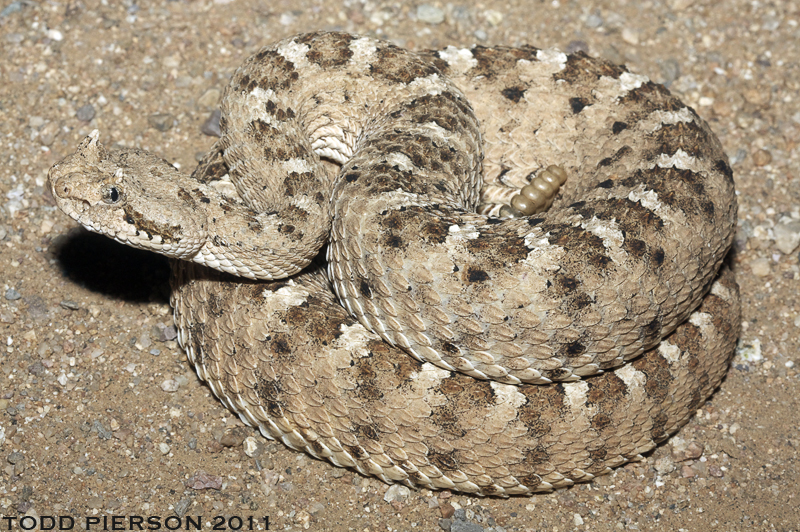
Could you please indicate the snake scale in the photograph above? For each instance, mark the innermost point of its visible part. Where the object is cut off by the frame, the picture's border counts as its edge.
(397, 164)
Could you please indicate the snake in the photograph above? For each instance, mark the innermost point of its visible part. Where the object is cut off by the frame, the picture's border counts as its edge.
(491, 270)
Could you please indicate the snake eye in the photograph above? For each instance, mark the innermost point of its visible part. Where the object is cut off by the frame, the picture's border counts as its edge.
(111, 194)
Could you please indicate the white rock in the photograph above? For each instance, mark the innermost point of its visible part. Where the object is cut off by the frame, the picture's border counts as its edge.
(430, 14)
(787, 236)
(55, 35)
(750, 352)
(170, 386)
(250, 446)
(760, 267)
(397, 493)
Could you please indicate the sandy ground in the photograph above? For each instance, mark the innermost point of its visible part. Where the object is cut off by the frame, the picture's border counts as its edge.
(101, 415)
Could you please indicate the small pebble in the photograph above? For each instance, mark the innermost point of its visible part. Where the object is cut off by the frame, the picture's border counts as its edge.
(143, 342)
(170, 386)
(446, 509)
(168, 334)
(760, 267)
(171, 61)
(102, 432)
(85, 113)
(759, 97)
(459, 525)
(287, 19)
(163, 448)
(694, 451)
(15, 458)
(670, 70)
(739, 156)
(750, 353)
(316, 508)
(181, 506)
(787, 236)
(680, 5)
(665, 465)
(231, 439)
(430, 14)
(493, 17)
(397, 493)
(577, 520)
(47, 135)
(594, 20)
(251, 447)
(209, 99)
(13, 7)
(700, 469)
(54, 35)
(211, 126)
(630, 36)
(202, 480)
(12, 294)
(161, 121)
(95, 503)
(762, 158)
(722, 108)
(69, 304)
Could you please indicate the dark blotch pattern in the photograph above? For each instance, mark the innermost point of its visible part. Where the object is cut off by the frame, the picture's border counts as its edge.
(280, 73)
(687, 136)
(168, 233)
(617, 127)
(328, 50)
(583, 70)
(647, 98)
(683, 189)
(581, 243)
(618, 155)
(492, 61)
(513, 94)
(398, 66)
(465, 397)
(473, 274)
(577, 104)
(365, 289)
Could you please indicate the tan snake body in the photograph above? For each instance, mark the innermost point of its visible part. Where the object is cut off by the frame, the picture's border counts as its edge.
(624, 256)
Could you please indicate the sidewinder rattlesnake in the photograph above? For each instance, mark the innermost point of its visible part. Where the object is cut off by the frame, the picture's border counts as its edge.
(623, 266)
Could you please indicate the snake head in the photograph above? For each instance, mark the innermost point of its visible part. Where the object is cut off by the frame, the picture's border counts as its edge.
(131, 196)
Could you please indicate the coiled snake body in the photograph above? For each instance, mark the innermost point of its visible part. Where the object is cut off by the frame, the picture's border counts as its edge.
(623, 263)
